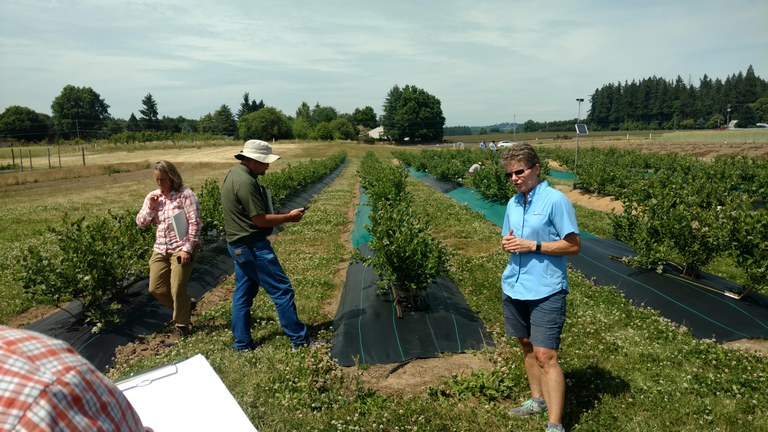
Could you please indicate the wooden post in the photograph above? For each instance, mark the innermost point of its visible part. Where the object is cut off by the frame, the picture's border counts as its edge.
(58, 151)
(29, 152)
(21, 160)
(48, 149)
(13, 157)
(82, 151)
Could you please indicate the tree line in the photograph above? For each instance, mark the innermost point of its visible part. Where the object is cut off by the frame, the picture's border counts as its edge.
(655, 103)
(658, 104)
(81, 113)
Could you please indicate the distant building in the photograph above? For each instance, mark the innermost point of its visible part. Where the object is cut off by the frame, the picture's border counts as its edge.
(375, 133)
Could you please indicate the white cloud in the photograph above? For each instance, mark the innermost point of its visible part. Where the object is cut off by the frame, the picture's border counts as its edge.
(487, 61)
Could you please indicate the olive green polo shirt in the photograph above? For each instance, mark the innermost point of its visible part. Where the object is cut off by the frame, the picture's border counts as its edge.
(242, 197)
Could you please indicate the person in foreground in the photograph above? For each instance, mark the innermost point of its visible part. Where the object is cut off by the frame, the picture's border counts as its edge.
(175, 210)
(248, 221)
(45, 385)
(539, 231)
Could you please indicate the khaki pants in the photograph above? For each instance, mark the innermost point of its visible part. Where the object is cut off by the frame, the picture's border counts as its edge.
(168, 283)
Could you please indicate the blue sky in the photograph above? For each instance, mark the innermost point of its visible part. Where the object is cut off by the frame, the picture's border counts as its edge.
(487, 61)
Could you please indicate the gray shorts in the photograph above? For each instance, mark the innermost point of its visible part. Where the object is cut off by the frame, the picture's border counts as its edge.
(541, 321)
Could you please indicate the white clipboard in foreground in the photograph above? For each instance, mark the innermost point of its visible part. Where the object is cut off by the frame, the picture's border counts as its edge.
(176, 398)
(180, 224)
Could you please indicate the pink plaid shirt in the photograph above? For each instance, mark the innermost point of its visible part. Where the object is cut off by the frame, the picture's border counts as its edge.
(45, 385)
(166, 240)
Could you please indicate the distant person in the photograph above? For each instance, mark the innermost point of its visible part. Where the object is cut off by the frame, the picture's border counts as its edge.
(482, 144)
(492, 146)
(539, 231)
(248, 221)
(476, 166)
(45, 385)
(173, 254)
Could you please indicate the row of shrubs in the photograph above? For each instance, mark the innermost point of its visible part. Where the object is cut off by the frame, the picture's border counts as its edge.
(679, 211)
(404, 254)
(96, 260)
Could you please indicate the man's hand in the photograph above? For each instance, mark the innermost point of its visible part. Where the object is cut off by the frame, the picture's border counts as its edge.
(295, 215)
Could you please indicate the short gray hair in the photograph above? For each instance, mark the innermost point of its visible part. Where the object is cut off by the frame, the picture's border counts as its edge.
(521, 152)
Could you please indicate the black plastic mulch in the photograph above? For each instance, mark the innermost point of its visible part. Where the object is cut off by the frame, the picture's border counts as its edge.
(368, 330)
(700, 305)
(143, 314)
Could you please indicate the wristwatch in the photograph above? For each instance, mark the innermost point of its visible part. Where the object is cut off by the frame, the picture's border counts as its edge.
(538, 247)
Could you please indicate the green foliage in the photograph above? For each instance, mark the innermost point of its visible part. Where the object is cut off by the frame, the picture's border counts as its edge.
(365, 117)
(382, 182)
(412, 113)
(92, 261)
(749, 246)
(24, 124)
(265, 124)
(678, 213)
(491, 183)
(248, 106)
(210, 209)
(220, 122)
(322, 132)
(301, 128)
(298, 176)
(452, 165)
(655, 102)
(79, 112)
(128, 137)
(322, 114)
(342, 129)
(405, 255)
(149, 120)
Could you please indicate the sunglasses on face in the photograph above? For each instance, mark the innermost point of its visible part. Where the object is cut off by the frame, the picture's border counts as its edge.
(518, 173)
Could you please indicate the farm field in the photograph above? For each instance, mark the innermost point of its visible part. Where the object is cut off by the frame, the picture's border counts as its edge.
(626, 368)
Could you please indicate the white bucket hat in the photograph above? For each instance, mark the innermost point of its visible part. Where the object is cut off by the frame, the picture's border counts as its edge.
(257, 150)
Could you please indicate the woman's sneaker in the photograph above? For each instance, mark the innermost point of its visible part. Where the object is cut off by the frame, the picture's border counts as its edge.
(528, 407)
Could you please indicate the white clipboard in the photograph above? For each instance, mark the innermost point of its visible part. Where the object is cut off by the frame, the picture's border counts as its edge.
(180, 224)
(178, 397)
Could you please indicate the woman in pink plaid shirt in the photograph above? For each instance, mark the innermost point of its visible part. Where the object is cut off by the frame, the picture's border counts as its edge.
(175, 210)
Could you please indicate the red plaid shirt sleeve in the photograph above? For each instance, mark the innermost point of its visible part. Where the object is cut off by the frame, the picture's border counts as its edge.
(45, 385)
(165, 239)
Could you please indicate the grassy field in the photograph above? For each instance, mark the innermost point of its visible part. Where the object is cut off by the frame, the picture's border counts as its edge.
(626, 368)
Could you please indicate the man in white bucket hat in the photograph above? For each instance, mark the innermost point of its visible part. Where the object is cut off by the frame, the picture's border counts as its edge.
(248, 221)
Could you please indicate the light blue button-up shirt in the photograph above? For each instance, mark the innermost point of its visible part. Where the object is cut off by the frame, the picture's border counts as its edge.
(547, 216)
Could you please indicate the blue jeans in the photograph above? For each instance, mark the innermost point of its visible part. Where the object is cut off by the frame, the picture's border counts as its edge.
(257, 265)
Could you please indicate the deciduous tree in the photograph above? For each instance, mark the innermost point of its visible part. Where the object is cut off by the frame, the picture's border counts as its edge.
(79, 112)
(412, 113)
(266, 124)
(365, 117)
(24, 124)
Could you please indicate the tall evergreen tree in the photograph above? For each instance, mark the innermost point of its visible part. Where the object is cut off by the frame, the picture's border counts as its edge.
(248, 106)
(149, 119)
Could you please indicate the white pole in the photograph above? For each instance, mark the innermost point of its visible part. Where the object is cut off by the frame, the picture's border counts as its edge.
(576, 158)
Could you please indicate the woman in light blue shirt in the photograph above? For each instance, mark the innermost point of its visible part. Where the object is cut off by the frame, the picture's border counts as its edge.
(539, 231)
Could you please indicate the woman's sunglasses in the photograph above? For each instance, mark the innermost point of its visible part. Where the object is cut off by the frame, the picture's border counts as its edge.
(519, 172)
